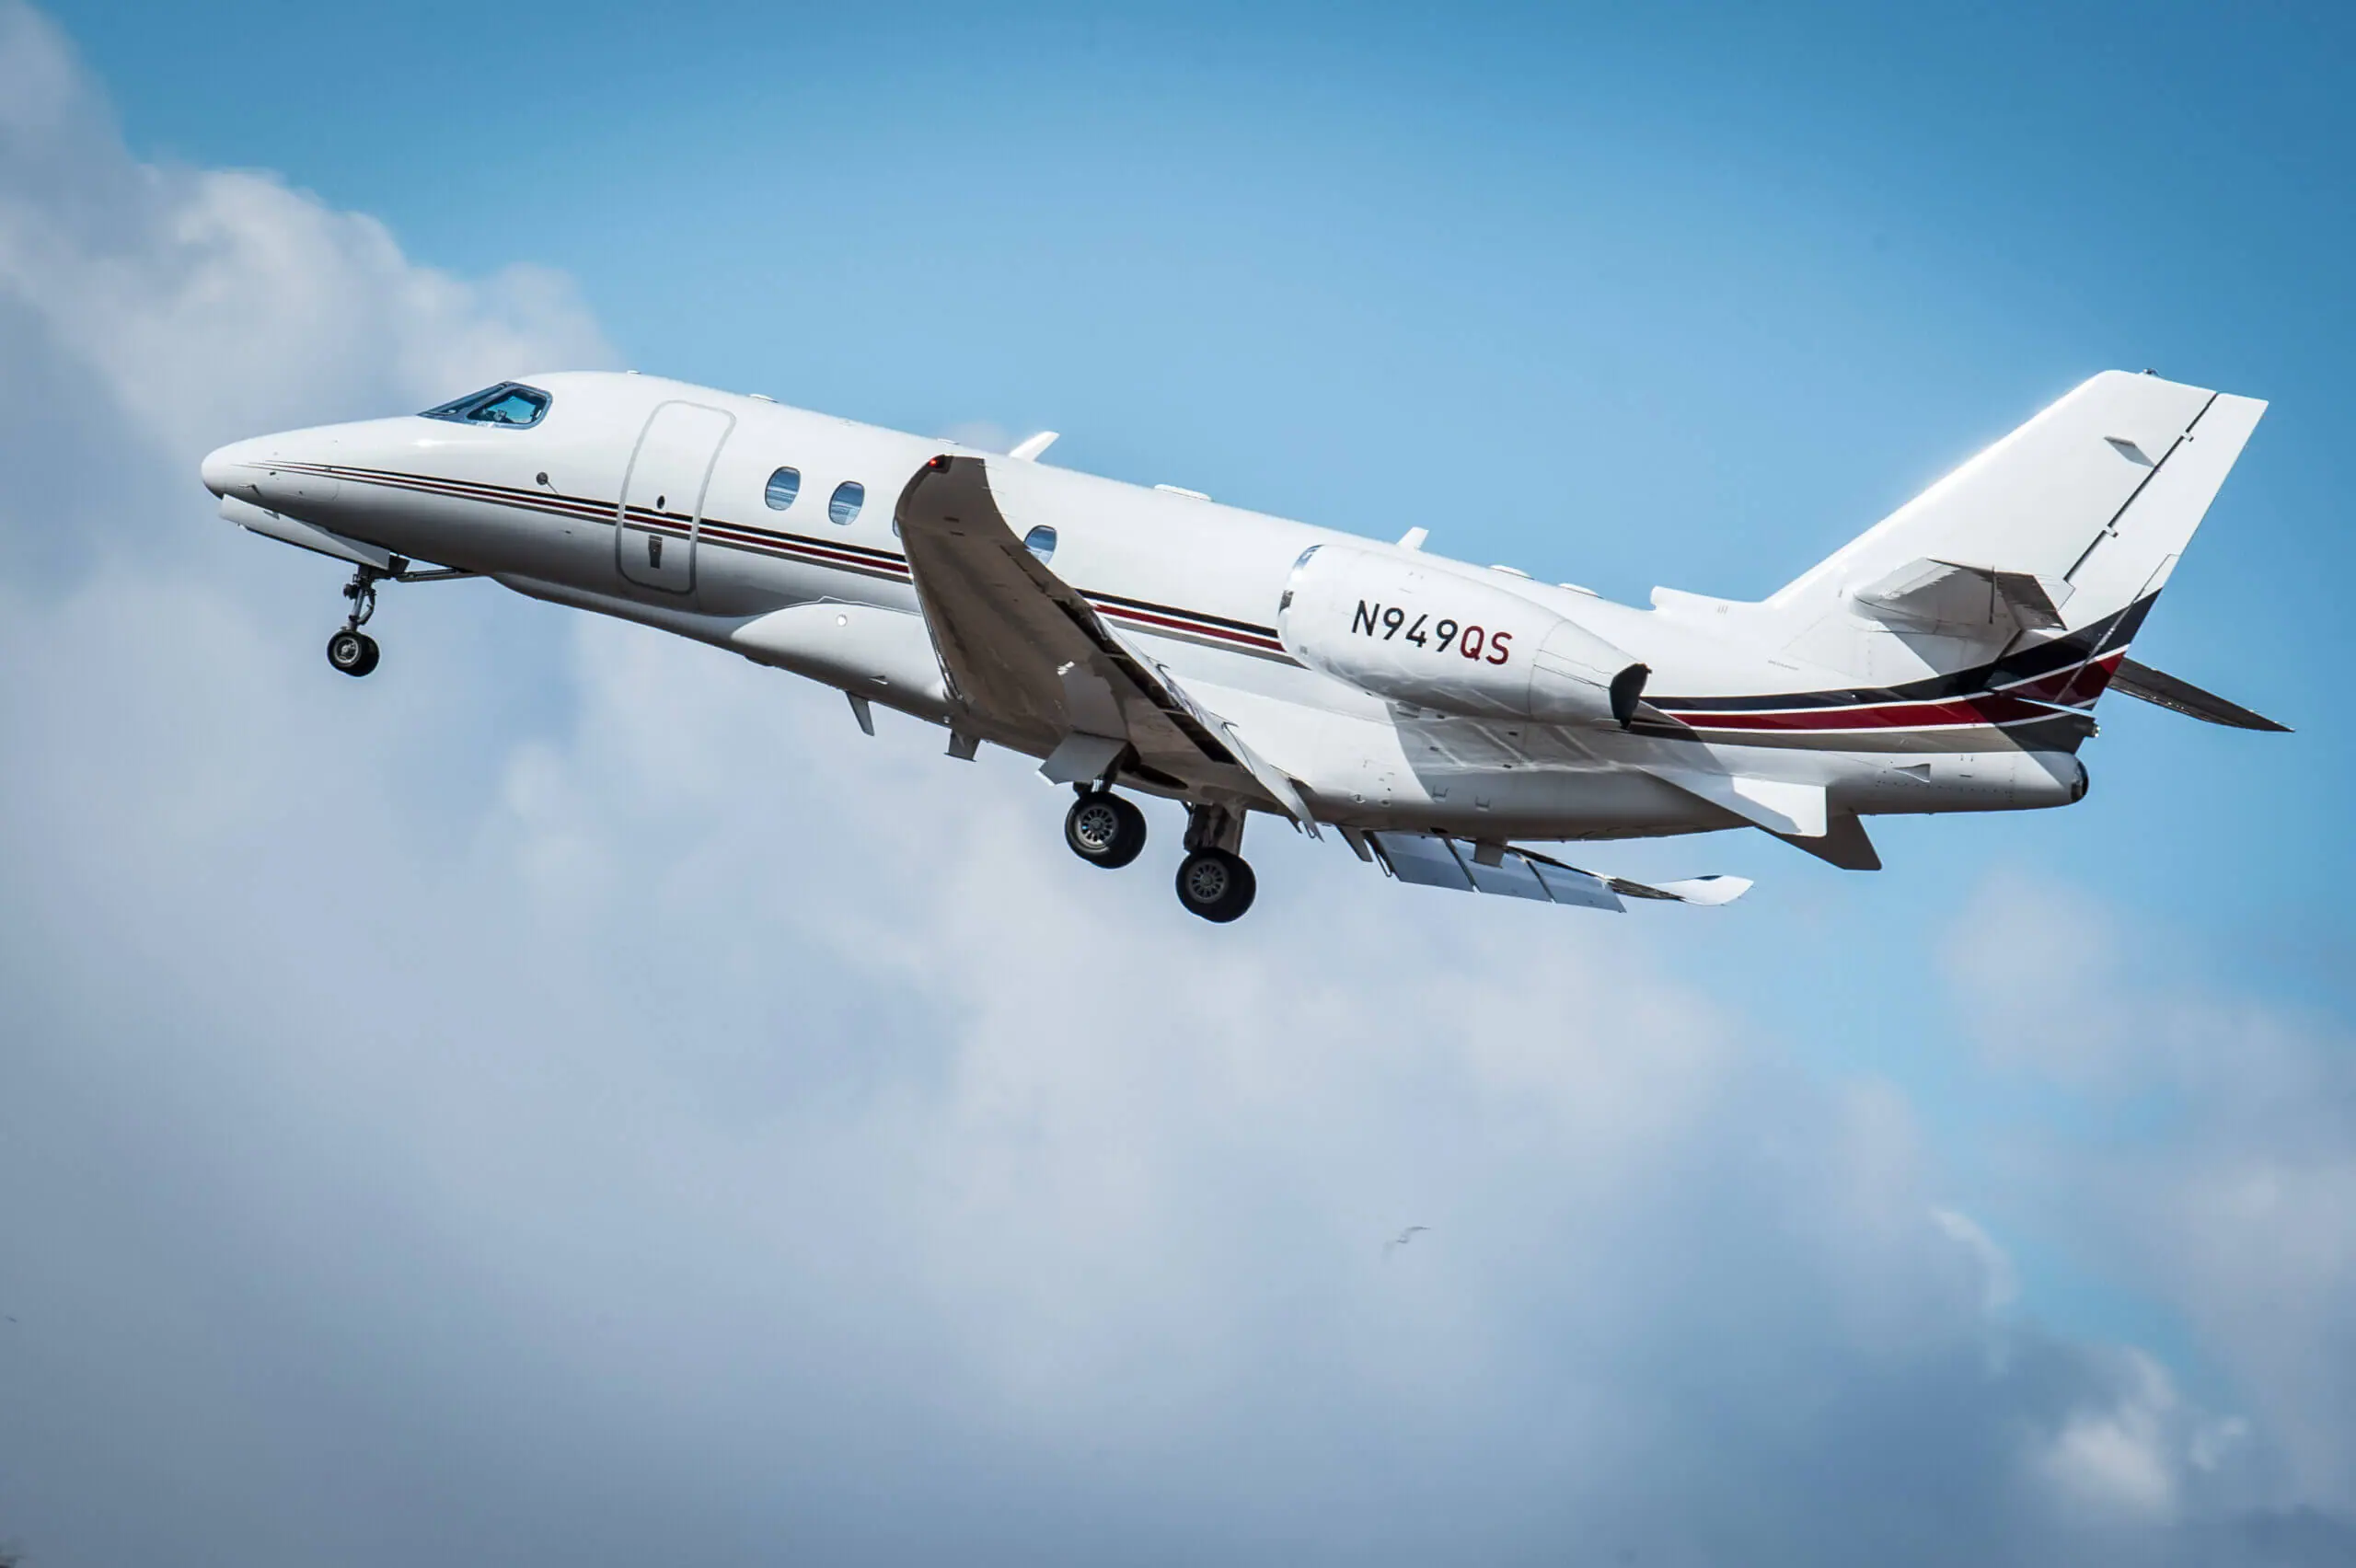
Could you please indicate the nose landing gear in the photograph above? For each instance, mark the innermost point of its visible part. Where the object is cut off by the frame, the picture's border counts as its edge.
(353, 651)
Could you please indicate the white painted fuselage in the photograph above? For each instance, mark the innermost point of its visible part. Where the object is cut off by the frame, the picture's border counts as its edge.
(651, 500)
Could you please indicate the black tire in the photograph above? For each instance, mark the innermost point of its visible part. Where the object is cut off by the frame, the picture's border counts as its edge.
(1104, 830)
(1216, 885)
(353, 652)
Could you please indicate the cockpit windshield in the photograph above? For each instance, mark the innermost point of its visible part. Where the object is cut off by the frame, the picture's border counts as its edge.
(510, 403)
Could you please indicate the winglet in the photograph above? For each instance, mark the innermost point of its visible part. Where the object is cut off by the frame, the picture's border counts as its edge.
(1710, 891)
(1029, 449)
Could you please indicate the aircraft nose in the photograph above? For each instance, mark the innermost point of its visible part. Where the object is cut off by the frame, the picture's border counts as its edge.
(222, 465)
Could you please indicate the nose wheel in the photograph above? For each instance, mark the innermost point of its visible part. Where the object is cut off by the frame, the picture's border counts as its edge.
(353, 651)
(1104, 829)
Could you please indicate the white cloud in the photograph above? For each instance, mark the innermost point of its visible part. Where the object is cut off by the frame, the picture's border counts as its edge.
(2000, 1285)
(2118, 1459)
(212, 303)
(2235, 1200)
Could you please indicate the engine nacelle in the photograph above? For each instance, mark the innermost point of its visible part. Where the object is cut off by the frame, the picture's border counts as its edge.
(1422, 634)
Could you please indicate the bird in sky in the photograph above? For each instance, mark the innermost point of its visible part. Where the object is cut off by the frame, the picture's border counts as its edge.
(1401, 1239)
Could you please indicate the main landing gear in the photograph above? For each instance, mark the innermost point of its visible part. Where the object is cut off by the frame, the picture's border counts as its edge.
(1216, 884)
(1104, 829)
(353, 651)
(1213, 882)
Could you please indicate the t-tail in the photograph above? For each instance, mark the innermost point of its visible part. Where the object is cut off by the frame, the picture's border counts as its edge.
(2020, 578)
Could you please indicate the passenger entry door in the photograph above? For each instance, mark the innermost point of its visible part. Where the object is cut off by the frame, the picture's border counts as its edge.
(663, 496)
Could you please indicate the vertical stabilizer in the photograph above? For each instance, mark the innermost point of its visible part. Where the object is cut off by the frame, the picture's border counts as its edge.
(2066, 528)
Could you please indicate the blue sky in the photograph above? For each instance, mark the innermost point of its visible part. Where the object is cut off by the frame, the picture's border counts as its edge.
(1750, 280)
(1758, 278)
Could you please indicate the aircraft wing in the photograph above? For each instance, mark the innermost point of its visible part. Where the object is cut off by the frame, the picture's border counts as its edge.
(1430, 860)
(1027, 656)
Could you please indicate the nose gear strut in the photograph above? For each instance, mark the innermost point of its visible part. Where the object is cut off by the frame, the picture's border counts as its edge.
(353, 651)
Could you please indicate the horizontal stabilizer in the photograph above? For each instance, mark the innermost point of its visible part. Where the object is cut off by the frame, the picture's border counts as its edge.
(1434, 860)
(2164, 690)
(1950, 596)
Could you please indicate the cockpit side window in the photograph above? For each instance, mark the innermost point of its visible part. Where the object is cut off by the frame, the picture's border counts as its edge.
(510, 403)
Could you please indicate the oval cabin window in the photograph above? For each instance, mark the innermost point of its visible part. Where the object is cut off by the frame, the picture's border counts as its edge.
(1041, 542)
(784, 486)
(849, 496)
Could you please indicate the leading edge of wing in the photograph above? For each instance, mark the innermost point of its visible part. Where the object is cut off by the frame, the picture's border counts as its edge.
(1023, 648)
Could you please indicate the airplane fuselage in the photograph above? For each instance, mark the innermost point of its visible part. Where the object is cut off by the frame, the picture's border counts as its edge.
(663, 503)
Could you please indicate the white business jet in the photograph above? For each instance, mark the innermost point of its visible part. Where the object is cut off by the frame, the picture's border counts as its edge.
(1439, 717)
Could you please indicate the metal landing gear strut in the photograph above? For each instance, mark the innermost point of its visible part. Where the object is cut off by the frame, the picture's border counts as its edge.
(353, 651)
(1213, 880)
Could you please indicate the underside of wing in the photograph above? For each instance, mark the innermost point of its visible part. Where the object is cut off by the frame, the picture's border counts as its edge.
(1027, 658)
(1430, 860)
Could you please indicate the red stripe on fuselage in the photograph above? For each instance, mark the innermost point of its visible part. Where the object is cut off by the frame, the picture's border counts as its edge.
(1193, 629)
